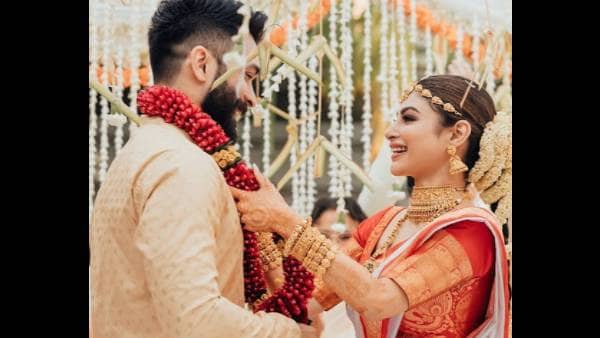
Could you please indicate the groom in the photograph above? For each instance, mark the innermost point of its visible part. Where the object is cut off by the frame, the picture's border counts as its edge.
(166, 241)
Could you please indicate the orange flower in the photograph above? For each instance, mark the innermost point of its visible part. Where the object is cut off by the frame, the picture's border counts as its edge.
(143, 76)
(278, 35)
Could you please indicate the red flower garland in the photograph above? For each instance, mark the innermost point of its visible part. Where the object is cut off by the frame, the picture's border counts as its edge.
(175, 107)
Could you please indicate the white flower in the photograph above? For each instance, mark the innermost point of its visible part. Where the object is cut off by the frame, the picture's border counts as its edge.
(244, 10)
(233, 60)
(277, 78)
(397, 195)
(338, 227)
(116, 119)
(267, 95)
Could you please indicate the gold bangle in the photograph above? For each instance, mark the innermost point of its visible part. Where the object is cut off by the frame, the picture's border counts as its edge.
(319, 260)
(303, 244)
(311, 252)
(289, 244)
(269, 253)
(316, 258)
(295, 236)
(313, 239)
(270, 260)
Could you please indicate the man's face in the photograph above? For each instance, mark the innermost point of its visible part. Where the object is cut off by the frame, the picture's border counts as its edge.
(232, 98)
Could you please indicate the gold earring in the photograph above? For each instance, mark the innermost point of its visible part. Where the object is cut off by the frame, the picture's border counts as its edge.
(456, 165)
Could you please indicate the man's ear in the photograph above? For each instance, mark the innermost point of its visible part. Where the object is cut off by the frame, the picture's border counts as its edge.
(198, 58)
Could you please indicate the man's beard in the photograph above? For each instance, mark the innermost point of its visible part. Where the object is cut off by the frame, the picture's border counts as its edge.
(221, 104)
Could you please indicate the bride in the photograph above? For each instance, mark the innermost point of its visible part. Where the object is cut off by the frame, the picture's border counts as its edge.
(437, 268)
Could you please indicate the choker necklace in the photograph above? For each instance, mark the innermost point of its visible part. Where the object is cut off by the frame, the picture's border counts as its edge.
(428, 203)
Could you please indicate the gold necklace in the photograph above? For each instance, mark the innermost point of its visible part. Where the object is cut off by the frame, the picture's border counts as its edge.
(371, 263)
(428, 203)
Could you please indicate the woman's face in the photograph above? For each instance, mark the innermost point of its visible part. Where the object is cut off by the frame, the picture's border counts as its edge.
(417, 139)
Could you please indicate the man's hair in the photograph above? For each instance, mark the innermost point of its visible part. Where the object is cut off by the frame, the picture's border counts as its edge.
(177, 26)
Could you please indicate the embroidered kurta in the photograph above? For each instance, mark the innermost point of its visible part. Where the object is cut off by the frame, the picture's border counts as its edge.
(167, 246)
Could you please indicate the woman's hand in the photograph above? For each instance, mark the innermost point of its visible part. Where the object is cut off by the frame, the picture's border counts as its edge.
(265, 210)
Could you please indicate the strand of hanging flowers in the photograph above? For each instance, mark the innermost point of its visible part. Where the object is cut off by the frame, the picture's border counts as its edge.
(367, 115)
(93, 117)
(246, 136)
(347, 92)
(393, 66)
(428, 52)
(303, 106)
(382, 77)
(401, 30)
(116, 119)
(332, 112)
(311, 186)
(292, 50)
(104, 143)
(413, 41)
(133, 56)
(266, 124)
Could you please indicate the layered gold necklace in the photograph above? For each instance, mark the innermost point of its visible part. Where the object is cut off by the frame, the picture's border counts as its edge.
(427, 203)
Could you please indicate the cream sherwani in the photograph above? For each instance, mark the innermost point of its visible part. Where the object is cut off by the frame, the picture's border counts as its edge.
(166, 246)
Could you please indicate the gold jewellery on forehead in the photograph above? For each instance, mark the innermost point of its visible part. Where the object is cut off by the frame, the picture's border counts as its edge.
(427, 94)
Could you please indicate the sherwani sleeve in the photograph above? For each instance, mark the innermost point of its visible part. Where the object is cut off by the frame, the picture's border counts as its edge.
(177, 197)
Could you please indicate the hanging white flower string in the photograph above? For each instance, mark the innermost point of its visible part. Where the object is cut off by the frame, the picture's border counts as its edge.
(303, 106)
(347, 92)
(413, 40)
(104, 142)
(93, 116)
(428, 52)
(266, 121)
(118, 119)
(133, 56)
(266, 124)
(314, 104)
(246, 136)
(311, 186)
(332, 111)
(382, 77)
(283, 72)
(291, 92)
(340, 205)
(401, 30)
(367, 115)
(145, 18)
(393, 64)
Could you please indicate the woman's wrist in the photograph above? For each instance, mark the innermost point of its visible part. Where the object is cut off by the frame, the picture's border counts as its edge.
(285, 227)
